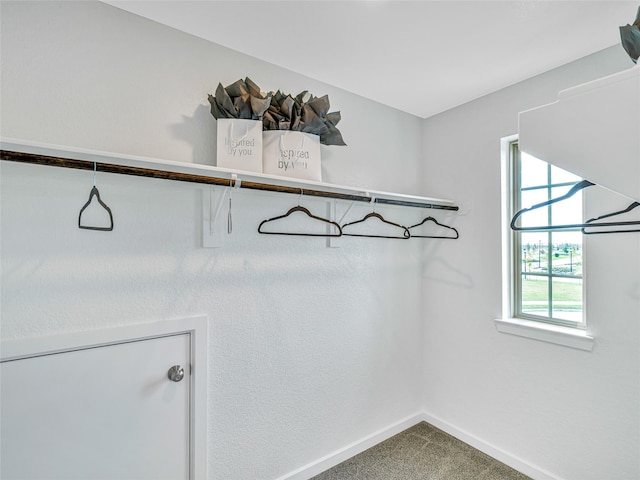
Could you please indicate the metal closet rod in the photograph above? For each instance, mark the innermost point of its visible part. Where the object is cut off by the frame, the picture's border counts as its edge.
(38, 159)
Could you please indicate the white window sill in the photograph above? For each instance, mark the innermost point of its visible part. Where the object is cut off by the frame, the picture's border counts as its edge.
(570, 337)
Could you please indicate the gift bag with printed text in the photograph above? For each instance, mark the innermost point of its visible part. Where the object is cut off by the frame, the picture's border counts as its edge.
(239, 144)
(292, 154)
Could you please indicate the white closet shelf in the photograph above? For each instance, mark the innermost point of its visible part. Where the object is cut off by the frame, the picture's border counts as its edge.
(68, 157)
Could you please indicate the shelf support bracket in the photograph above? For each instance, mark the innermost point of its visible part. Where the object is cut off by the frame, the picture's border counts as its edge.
(212, 224)
(332, 207)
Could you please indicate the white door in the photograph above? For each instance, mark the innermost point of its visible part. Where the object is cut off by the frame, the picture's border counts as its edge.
(106, 412)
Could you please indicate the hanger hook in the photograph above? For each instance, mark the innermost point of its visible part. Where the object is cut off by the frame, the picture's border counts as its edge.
(300, 197)
(95, 168)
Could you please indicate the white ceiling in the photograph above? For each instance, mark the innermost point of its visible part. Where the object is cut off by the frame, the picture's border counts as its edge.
(422, 57)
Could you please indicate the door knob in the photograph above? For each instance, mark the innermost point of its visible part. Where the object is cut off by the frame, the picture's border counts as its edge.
(176, 373)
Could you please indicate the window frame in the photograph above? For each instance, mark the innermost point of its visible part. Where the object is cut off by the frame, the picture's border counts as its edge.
(516, 246)
(577, 338)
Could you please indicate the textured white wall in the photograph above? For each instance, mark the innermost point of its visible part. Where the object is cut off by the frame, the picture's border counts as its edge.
(311, 348)
(568, 412)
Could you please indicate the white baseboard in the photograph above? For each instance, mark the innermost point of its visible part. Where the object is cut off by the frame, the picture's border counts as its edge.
(499, 454)
(339, 456)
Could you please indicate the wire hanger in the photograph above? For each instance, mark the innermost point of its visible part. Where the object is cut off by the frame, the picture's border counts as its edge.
(589, 223)
(95, 193)
(405, 231)
(299, 208)
(431, 219)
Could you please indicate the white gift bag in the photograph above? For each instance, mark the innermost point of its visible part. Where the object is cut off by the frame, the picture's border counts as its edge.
(293, 154)
(239, 144)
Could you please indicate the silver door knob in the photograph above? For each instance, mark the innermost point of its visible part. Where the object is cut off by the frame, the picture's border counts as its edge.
(176, 373)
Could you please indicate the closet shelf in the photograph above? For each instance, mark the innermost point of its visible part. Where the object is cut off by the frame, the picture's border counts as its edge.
(41, 154)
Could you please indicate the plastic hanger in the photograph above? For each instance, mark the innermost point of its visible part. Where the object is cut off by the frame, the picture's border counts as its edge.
(592, 223)
(431, 219)
(589, 223)
(577, 187)
(310, 215)
(95, 193)
(405, 231)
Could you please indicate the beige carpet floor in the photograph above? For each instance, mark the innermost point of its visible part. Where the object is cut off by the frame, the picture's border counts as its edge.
(422, 452)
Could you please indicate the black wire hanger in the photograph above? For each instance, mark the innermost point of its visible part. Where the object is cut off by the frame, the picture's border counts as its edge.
(431, 219)
(405, 231)
(298, 208)
(589, 223)
(95, 193)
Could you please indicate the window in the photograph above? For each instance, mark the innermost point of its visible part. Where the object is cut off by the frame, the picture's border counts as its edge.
(547, 267)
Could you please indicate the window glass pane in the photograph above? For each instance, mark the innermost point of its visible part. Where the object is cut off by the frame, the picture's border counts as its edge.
(539, 216)
(567, 299)
(534, 252)
(535, 295)
(568, 211)
(533, 172)
(559, 175)
(566, 258)
(549, 264)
